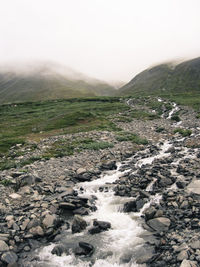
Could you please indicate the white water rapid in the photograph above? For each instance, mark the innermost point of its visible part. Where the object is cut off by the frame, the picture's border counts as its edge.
(112, 247)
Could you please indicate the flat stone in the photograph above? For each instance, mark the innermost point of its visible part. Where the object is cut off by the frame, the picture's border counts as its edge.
(160, 224)
(49, 220)
(9, 257)
(67, 206)
(195, 244)
(183, 255)
(3, 246)
(194, 187)
(37, 231)
(186, 263)
(15, 196)
(81, 171)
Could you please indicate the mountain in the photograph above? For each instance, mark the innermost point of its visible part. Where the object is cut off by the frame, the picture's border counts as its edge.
(47, 81)
(166, 78)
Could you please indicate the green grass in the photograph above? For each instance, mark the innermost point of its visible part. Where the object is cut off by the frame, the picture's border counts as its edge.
(142, 115)
(160, 129)
(68, 147)
(183, 132)
(6, 182)
(175, 118)
(32, 120)
(134, 138)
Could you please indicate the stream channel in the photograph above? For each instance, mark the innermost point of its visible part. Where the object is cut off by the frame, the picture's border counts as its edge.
(120, 245)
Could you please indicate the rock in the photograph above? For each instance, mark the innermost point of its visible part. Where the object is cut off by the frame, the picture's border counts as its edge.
(81, 171)
(195, 244)
(9, 257)
(183, 255)
(78, 224)
(144, 254)
(109, 165)
(187, 263)
(37, 231)
(194, 187)
(180, 184)
(149, 213)
(81, 211)
(15, 196)
(103, 225)
(99, 226)
(24, 224)
(3, 246)
(58, 250)
(85, 177)
(49, 220)
(160, 224)
(130, 206)
(67, 206)
(84, 249)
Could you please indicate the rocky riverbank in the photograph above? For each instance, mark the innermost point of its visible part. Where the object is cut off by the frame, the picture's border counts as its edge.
(161, 181)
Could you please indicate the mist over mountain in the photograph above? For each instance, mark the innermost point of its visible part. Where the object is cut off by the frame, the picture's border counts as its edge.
(166, 78)
(44, 81)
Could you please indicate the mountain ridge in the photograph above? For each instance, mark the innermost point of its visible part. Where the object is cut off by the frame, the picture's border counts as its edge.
(166, 78)
(48, 82)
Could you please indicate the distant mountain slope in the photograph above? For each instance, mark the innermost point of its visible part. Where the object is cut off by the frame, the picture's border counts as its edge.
(48, 81)
(166, 78)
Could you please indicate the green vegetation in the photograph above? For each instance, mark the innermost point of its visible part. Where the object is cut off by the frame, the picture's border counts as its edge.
(166, 79)
(68, 147)
(32, 120)
(160, 129)
(142, 115)
(175, 118)
(6, 182)
(183, 132)
(35, 85)
(134, 138)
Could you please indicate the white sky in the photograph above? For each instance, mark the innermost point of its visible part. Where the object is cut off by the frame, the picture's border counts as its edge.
(106, 39)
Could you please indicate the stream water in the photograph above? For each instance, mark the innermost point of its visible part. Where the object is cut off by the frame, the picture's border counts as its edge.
(117, 246)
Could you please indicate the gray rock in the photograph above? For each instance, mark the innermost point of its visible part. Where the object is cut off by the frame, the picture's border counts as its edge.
(160, 224)
(195, 244)
(3, 246)
(67, 206)
(78, 224)
(84, 249)
(183, 255)
(9, 257)
(187, 263)
(24, 224)
(37, 231)
(149, 213)
(81, 171)
(49, 220)
(194, 187)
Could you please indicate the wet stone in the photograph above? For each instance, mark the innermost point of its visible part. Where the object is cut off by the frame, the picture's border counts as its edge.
(9, 257)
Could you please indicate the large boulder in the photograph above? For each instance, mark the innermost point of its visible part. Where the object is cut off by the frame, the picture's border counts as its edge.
(99, 226)
(130, 206)
(3, 246)
(84, 249)
(109, 165)
(160, 224)
(9, 257)
(78, 224)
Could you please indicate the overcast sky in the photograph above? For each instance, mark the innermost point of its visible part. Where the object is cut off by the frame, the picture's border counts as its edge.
(106, 39)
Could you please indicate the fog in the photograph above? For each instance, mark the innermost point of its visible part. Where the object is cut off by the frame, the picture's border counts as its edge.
(110, 40)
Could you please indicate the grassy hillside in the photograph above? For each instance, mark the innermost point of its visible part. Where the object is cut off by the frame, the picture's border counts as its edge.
(166, 79)
(46, 83)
